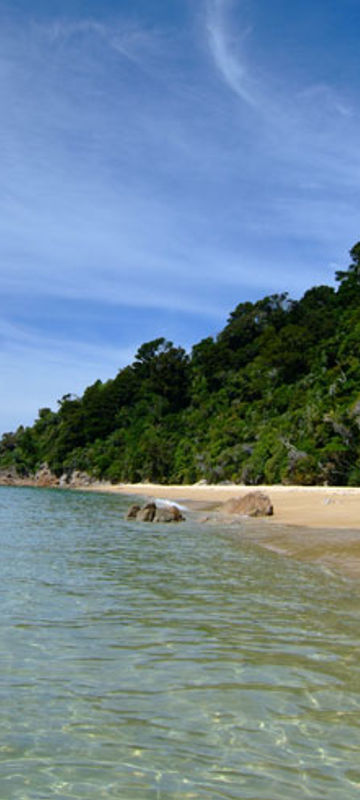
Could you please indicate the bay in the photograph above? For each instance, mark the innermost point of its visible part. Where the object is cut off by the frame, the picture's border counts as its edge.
(167, 662)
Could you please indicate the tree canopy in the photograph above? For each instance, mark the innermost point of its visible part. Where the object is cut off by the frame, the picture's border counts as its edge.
(274, 397)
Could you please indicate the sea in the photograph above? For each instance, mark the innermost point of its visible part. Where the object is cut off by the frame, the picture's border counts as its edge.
(169, 662)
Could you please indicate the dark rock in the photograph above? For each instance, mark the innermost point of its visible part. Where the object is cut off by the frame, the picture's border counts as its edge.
(153, 513)
(133, 511)
(147, 513)
(253, 504)
(168, 514)
(8, 477)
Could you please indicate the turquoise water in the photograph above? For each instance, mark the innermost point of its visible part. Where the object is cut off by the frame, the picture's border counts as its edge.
(166, 662)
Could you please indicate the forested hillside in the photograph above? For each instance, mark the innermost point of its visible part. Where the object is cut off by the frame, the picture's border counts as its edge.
(275, 397)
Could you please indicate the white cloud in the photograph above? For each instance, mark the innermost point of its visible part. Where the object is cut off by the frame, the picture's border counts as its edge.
(143, 188)
(127, 38)
(328, 98)
(231, 65)
(38, 369)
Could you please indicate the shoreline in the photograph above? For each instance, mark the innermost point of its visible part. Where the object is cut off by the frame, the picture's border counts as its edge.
(314, 507)
(319, 525)
(334, 507)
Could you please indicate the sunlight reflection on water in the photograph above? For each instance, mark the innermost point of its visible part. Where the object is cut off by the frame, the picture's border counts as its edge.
(169, 661)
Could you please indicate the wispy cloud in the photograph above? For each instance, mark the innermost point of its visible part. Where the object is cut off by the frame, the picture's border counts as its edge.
(309, 129)
(37, 370)
(327, 97)
(128, 39)
(227, 54)
(134, 181)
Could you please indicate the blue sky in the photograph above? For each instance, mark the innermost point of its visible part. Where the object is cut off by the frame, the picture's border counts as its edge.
(161, 162)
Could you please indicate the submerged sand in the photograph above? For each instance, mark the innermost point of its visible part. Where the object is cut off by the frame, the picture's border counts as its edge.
(317, 524)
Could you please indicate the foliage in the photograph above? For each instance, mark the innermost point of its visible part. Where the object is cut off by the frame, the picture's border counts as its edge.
(275, 397)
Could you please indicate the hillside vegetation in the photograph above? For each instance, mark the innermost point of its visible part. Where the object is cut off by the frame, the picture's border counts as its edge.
(275, 397)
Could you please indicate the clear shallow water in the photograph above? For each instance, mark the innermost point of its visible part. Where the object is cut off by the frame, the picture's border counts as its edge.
(167, 662)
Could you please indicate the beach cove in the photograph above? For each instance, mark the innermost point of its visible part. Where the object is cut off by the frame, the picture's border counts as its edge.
(320, 524)
(312, 506)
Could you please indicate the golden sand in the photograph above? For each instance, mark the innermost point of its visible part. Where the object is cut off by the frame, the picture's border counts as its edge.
(316, 524)
(312, 506)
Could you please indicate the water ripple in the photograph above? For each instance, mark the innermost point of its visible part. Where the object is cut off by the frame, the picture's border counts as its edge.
(165, 663)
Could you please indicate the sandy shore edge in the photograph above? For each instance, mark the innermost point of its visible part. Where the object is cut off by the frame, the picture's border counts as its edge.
(309, 506)
(318, 525)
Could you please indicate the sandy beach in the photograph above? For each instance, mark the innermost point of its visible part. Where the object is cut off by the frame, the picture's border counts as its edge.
(320, 524)
(316, 524)
(310, 506)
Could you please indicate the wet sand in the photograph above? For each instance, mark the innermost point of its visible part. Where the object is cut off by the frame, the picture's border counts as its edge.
(310, 506)
(316, 524)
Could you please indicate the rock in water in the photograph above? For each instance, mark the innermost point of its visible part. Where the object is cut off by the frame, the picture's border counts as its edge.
(153, 513)
(147, 513)
(168, 514)
(133, 511)
(253, 504)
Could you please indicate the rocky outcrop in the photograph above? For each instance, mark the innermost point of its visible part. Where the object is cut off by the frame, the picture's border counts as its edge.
(42, 478)
(9, 477)
(151, 512)
(77, 480)
(45, 478)
(147, 513)
(253, 504)
(133, 511)
(168, 514)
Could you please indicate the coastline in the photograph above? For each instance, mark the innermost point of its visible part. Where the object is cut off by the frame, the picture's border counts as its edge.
(307, 506)
(319, 525)
(316, 524)
(315, 507)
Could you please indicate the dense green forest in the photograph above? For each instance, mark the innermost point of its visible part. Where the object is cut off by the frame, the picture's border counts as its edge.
(275, 397)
